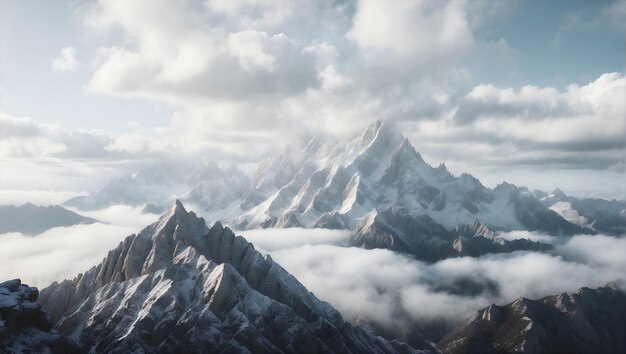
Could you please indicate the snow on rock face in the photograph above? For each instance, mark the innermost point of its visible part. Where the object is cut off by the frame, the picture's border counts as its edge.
(178, 286)
(23, 326)
(421, 236)
(586, 321)
(606, 216)
(381, 169)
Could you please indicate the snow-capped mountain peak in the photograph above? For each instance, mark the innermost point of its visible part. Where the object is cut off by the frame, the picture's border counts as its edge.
(178, 286)
(378, 169)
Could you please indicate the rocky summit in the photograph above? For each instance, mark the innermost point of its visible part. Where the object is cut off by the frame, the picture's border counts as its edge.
(179, 286)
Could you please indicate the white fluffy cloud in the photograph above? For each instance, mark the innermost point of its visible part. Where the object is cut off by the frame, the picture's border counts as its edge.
(422, 31)
(580, 127)
(395, 291)
(24, 137)
(66, 60)
(42, 156)
(63, 252)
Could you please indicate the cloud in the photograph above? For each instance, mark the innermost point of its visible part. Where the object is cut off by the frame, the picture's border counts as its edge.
(278, 239)
(286, 68)
(57, 254)
(24, 137)
(66, 60)
(63, 252)
(581, 127)
(71, 159)
(615, 15)
(181, 57)
(37, 197)
(394, 292)
(419, 31)
(121, 215)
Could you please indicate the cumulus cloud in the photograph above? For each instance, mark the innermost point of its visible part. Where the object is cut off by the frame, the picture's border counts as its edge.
(180, 56)
(24, 137)
(581, 127)
(417, 30)
(281, 68)
(66, 60)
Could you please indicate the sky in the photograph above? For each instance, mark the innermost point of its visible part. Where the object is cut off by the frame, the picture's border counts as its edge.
(531, 92)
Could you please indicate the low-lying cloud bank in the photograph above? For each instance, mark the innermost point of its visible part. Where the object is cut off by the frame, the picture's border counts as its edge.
(63, 252)
(395, 292)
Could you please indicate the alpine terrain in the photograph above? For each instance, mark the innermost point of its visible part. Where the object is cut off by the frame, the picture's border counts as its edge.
(178, 286)
(586, 321)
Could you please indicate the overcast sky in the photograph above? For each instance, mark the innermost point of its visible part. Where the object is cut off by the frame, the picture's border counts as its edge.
(532, 92)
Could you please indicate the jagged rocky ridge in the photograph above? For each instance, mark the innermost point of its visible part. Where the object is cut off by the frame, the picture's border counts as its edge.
(332, 184)
(606, 216)
(421, 236)
(178, 286)
(24, 328)
(31, 219)
(586, 321)
(335, 185)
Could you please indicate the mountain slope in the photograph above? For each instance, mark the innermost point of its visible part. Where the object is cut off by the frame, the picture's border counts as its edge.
(587, 321)
(337, 184)
(178, 286)
(23, 326)
(421, 236)
(607, 216)
(30, 219)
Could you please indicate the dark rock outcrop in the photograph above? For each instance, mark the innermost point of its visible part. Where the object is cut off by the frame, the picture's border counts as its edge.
(24, 327)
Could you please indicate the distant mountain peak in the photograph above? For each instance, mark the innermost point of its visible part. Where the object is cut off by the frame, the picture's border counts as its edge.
(32, 220)
(557, 192)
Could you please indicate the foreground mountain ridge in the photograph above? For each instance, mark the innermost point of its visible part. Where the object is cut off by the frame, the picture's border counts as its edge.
(24, 327)
(585, 321)
(180, 286)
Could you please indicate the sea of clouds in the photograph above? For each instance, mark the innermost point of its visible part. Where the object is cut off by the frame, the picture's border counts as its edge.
(395, 291)
(391, 292)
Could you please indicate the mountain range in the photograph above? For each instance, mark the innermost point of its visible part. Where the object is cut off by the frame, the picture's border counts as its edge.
(179, 286)
(606, 216)
(31, 219)
(375, 180)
